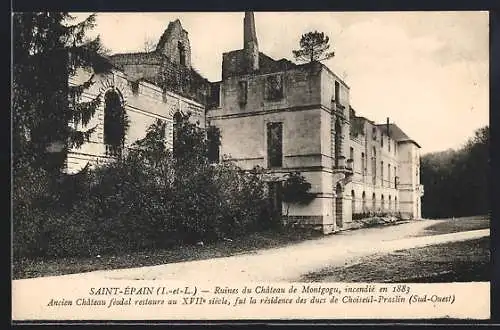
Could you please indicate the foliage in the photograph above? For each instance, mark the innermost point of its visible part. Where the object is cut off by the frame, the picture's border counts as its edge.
(149, 45)
(313, 47)
(371, 214)
(47, 50)
(456, 181)
(151, 198)
(296, 190)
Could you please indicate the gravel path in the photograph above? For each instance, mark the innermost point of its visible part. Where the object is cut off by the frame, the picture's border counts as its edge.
(290, 262)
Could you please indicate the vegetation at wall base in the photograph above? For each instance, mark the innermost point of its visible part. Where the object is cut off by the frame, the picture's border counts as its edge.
(151, 198)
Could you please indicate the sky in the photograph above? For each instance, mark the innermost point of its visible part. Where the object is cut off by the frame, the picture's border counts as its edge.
(426, 71)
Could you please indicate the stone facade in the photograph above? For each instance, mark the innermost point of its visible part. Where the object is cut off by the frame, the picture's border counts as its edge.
(354, 165)
(168, 66)
(150, 86)
(274, 114)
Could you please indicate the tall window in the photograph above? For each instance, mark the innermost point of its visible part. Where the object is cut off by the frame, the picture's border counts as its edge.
(114, 123)
(382, 203)
(363, 169)
(213, 138)
(381, 140)
(389, 143)
(338, 141)
(351, 156)
(182, 53)
(382, 173)
(374, 204)
(364, 201)
(242, 92)
(389, 174)
(353, 202)
(275, 144)
(390, 203)
(337, 93)
(374, 165)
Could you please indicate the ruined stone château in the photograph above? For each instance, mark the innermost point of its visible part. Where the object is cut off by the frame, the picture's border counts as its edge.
(271, 113)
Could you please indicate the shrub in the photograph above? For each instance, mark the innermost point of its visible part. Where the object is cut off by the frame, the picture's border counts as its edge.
(149, 199)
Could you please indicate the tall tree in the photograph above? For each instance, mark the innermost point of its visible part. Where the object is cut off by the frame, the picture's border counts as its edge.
(314, 46)
(47, 50)
(457, 181)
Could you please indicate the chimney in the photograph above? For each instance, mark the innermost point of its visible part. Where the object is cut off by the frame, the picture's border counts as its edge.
(388, 134)
(250, 46)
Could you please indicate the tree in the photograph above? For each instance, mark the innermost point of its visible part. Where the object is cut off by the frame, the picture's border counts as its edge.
(47, 51)
(313, 47)
(149, 45)
(456, 181)
(296, 190)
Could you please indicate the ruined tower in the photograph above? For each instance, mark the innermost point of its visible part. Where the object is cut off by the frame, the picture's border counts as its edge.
(250, 46)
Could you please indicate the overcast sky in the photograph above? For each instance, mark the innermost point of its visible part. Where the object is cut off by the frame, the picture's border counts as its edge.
(426, 71)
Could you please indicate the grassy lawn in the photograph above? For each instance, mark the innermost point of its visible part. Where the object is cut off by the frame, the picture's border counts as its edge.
(456, 225)
(28, 268)
(451, 262)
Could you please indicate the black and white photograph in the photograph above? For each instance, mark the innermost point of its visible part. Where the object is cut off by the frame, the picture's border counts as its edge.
(290, 148)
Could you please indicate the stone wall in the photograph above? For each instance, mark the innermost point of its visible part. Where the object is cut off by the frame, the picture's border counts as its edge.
(143, 102)
(235, 64)
(409, 180)
(170, 42)
(362, 181)
(301, 88)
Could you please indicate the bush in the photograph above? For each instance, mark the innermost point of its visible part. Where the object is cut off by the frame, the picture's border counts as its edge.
(149, 199)
(370, 214)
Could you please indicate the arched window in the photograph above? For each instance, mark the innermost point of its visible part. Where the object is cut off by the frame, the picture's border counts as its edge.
(390, 203)
(382, 203)
(353, 202)
(114, 123)
(374, 204)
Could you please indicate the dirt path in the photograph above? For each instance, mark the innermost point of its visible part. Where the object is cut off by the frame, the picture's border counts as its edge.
(288, 263)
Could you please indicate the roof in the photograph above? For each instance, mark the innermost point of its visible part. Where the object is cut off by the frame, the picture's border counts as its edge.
(396, 133)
